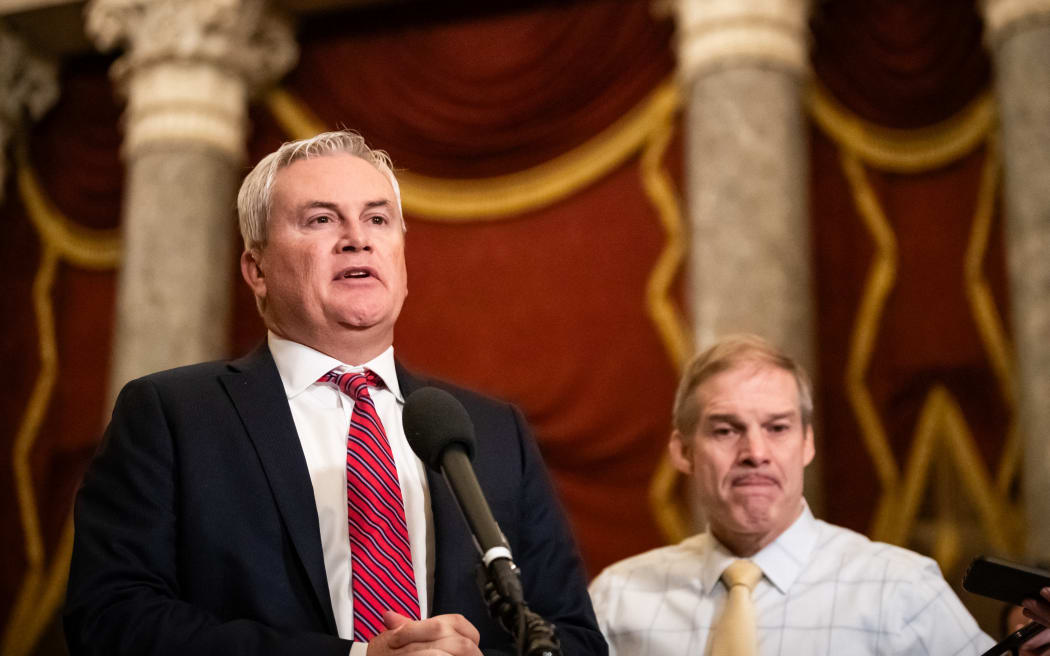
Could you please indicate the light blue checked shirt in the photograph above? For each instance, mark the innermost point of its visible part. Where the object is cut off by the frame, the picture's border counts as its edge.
(824, 590)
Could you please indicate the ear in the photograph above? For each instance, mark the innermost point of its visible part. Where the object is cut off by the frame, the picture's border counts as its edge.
(253, 273)
(809, 449)
(680, 451)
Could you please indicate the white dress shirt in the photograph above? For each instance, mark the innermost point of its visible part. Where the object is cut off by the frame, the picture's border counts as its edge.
(824, 590)
(322, 418)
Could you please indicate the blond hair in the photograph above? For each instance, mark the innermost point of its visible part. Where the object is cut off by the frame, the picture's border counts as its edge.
(726, 354)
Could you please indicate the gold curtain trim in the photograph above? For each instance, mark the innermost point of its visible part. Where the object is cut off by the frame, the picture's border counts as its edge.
(85, 247)
(670, 516)
(942, 430)
(499, 197)
(903, 151)
(40, 592)
(994, 337)
(881, 278)
(914, 151)
(659, 188)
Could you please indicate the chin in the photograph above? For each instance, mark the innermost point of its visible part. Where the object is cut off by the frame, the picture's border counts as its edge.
(755, 513)
(361, 318)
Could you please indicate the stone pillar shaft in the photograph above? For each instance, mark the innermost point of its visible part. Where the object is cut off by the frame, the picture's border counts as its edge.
(742, 64)
(1018, 34)
(188, 71)
(747, 164)
(175, 292)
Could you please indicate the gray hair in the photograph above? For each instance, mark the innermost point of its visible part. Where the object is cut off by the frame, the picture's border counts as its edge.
(724, 355)
(255, 196)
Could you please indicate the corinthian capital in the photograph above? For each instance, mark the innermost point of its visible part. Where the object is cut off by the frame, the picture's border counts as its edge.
(28, 88)
(719, 33)
(190, 65)
(236, 35)
(1002, 16)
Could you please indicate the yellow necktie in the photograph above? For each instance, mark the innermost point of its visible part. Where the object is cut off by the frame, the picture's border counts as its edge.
(734, 634)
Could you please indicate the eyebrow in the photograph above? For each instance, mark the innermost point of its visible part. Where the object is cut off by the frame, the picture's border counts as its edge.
(319, 204)
(725, 417)
(328, 205)
(732, 418)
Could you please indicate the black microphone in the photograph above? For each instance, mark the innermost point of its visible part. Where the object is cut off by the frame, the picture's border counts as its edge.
(441, 433)
(439, 430)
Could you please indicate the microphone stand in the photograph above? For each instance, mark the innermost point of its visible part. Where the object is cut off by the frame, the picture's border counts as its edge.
(1015, 639)
(498, 577)
(500, 583)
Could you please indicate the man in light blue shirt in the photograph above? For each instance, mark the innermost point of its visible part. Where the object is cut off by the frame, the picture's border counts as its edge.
(743, 433)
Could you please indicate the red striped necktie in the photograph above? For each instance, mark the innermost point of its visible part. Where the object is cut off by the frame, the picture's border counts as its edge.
(380, 556)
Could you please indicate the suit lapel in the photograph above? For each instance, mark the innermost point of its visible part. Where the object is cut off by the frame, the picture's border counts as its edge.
(256, 390)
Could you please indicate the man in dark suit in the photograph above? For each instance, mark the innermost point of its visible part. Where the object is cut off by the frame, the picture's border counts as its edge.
(232, 510)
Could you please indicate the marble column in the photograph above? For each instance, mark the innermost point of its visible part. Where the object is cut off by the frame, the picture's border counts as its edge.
(742, 66)
(188, 71)
(1018, 36)
(28, 88)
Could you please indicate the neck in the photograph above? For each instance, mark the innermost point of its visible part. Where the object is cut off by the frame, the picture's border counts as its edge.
(743, 546)
(350, 346)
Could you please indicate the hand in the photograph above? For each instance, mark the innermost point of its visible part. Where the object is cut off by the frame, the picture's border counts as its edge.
(1037, 645)
(443, 635)
(1039, 609)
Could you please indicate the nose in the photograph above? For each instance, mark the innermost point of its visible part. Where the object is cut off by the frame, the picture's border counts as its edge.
(754, 451)
(354, 238)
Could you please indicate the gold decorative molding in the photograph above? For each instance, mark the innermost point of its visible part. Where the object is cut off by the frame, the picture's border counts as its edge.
(41, 589)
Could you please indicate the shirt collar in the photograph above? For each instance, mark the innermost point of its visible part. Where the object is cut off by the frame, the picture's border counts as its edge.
(781, 561)
(300, 366)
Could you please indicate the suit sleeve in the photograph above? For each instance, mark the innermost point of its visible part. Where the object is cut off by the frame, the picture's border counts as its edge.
(553, 576)
(124, 594)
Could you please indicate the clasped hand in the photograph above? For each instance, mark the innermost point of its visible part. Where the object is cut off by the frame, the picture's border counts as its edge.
(443, 635)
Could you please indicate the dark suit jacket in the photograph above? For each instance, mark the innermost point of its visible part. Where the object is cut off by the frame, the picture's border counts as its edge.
(197, 532)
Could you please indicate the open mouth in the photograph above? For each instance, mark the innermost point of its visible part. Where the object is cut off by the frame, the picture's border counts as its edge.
(355, 273)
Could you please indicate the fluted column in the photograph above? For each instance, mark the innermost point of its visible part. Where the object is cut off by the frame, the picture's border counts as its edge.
(742, 64)
(1018, 35)
(188, 70)
(28, 88)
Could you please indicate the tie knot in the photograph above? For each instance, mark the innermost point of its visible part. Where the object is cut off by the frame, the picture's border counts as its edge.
(742, 572)
(353, 384)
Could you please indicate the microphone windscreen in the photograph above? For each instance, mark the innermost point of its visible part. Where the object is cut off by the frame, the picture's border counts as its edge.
(433, 421)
